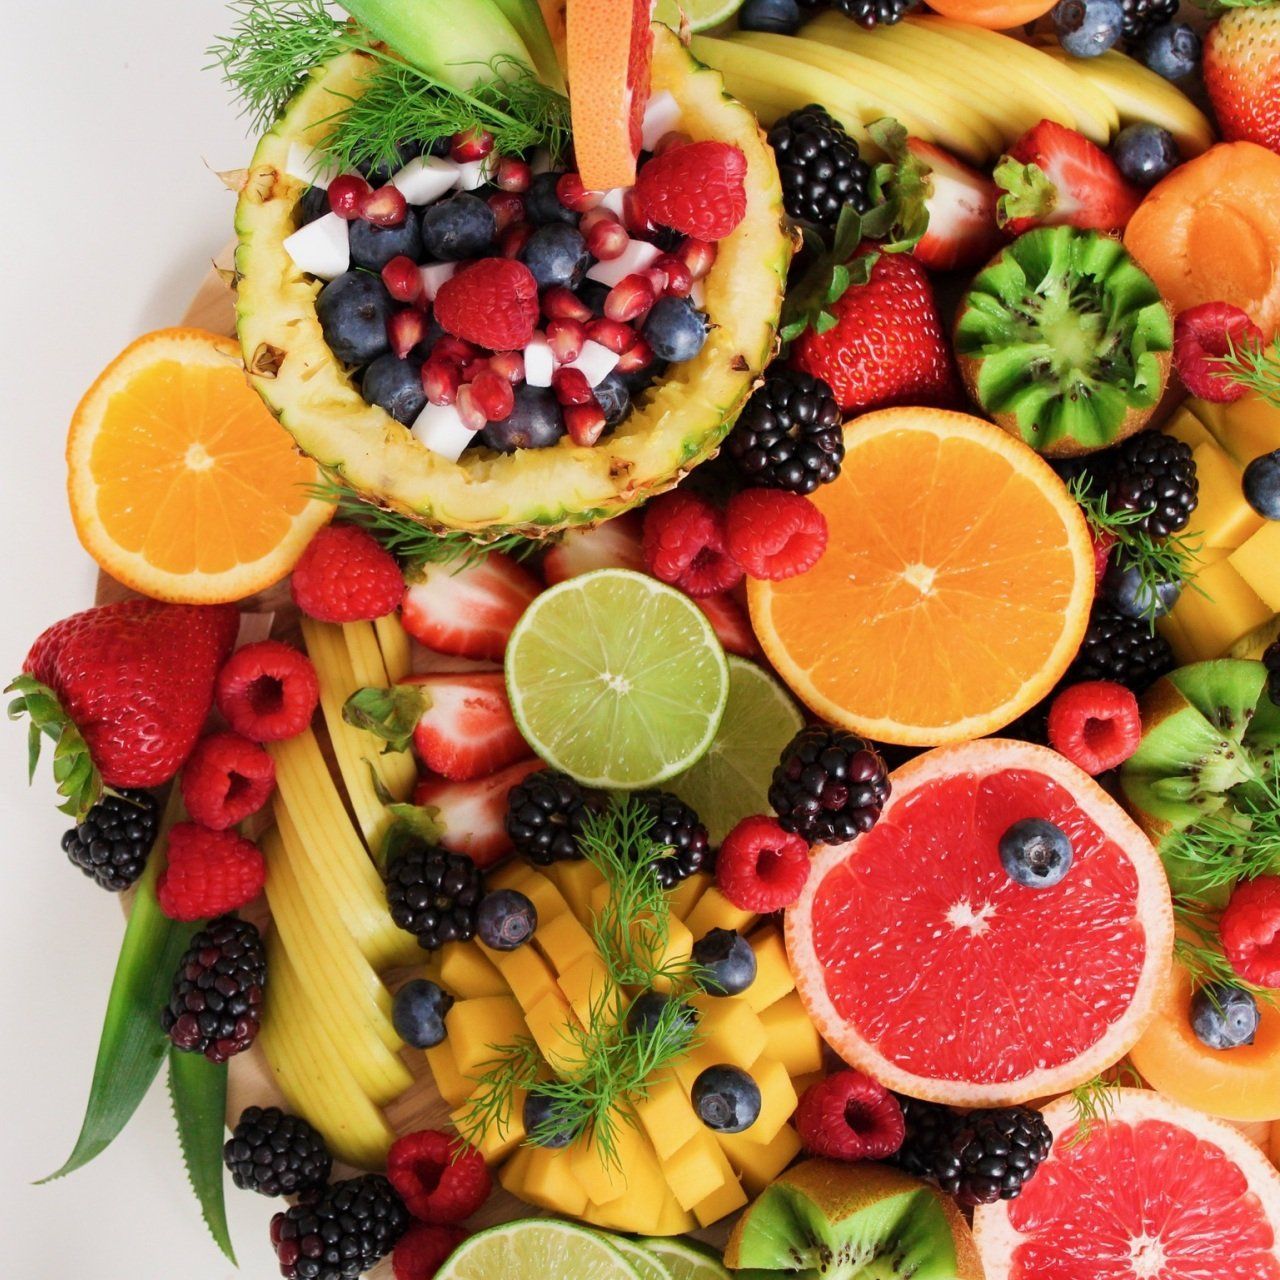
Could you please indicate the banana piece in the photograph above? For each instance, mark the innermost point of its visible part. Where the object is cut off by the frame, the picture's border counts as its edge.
(393, 640)
(396, 770)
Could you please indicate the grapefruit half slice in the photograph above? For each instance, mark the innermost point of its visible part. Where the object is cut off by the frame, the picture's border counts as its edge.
(1155, 1192)
(921, 962)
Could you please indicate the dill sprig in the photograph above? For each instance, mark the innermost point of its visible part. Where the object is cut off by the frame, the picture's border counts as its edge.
(1093, 1102)
(513, 1067)
(1254, 367)
(1238, 845)
(1198, 948)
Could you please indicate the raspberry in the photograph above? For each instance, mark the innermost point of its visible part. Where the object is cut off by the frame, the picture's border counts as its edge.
(1103, 542)
(267, 691)
(226, 778)
(1096, 725)
(209, 872)
(761, 867)
(850, 1116)
(697, 189)
(1201, 337)
(493, 303)
(774, 534)
(345, 575)
(422, 1249)
(1250, 930)
(684, 544)
(440, 1178)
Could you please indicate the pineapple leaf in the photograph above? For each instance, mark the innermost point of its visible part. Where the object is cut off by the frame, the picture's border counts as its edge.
(198, 1093)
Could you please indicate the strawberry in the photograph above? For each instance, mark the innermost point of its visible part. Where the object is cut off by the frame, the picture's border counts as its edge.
(697, 189)
(493, 302)
(468, 612)
(616, 544)
(474, 814)
(1242, 74)
(1053, 176)
(123, 690)
(730, 622)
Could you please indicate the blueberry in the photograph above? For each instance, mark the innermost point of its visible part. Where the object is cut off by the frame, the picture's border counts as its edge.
(1262, 485)
(728, 964)
(648, 1008)
(395, 385)
(461, 227)
(1087, 28)
(373, 246)
(1224, 1017)
(593, 293)
(556, 254)
(1144, 153)
(1171, 50)
(545, 1123)
(536, 422)
(1135, 597)
(314, 204)
(639, 379)
(542, 205)
(353, 311)
(675, 329)
(418, 1011)
(781, 17)
(614, 398)
(1035, 853)
(505, 919)
(726, 1099)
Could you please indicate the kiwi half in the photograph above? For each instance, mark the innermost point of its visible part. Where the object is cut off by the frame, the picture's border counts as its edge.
(1065, 341)
(826, 1220)
(1210, 738)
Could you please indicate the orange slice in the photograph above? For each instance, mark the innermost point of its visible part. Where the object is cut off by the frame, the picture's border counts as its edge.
(182, 484)
(953, 594)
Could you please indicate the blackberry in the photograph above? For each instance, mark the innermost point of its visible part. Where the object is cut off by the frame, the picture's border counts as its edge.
(873, 13)
(434, 894)
(829, 785)
(112, 844)
(789, 434)
(545, 814)
(216, 1004)
(276, 1154)
(341, 1234)
(1122, 649)
(977, 1156)
(1142, 17)
(820, 167)
(1153, 470)
(676, 825)
(1271, 660)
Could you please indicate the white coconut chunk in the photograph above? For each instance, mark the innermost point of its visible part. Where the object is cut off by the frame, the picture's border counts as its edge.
(426, 178)
(613, 201)
(698, 295)
(322, 248)
(473, 174)
(541, 162)
(637, 256)
(661, 116)
(434, 274)
(309, 166)
(539, 362)
(595, 362)
(441, 429)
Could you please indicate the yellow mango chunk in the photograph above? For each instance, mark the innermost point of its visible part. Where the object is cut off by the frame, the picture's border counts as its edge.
(667, 1115)
(1245, 428)
(544, 895)
(549, 1023)
(674, 955)
(543, 1177)
(696, 1170)
(773, 973)
(727, 1198)
(730, 1033)
(563, 940)
(759, 1163)
(528, 975)
(454, 1087)
(777, 1100)
(577, 881)
(791, 1037)
(465, 973)
(1227, 610)
(684, 897)
(1257, 561)
(1222, 517)
(588, 988)
(478, 1028)
(1175, 633)
(634, 1172)
(1185, 426)
(499, 1139)
(715, 911)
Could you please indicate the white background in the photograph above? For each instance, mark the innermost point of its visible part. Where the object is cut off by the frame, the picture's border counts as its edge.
(109, 218)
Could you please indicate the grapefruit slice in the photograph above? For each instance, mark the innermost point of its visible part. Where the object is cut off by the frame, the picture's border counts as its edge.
(921, 962)
(609, 61)
(1156, 1192)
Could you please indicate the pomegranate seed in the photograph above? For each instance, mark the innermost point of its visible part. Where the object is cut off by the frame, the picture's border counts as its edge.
(677, 278)
(674, 138)
(441, 379)
(403, 279)
(630, 298)
(584, 422)
(634, 217)
(508, 209)
(607, 239)
(559, 303)
(474, 367)
(509, 365)
(566, 338)
(512, 174)
(573, 195)
(514, 238)
(614, 335)
(405, 330)
(492, 395)
(469, 411)
(697, 255)
(470, 144)
(455, 349)
(634, 358)
(593, 217)
(346, 194)
(385, 207)
(571, 386)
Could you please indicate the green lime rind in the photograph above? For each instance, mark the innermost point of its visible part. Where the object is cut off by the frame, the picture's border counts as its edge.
(731, 781)
(702, 14)
(198, 1091)
(537, 1249)
(684, 1260)
(648, 1266)
(616, 679)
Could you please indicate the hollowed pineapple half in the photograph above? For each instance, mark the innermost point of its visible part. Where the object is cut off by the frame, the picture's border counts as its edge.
(676, 424)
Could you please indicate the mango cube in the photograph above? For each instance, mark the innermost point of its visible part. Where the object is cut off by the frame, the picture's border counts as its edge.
(759, 1163)
(1257, 561)
(544, 895)
(588, 988)
(773, 973)
(634, 1172)
(730, 1032)
(577, 880)
(453, 1086)
(673, 955)
(777, 1100)
(728, 1197)
(563, 941)
(528, 975)
(550, 1023)
(667, 1115)
(1245, 428)
(715, 911)
(542, 1177)
(1222, 517)
(465, 973)
(684, 897)
(497, 1140)
(1185, 426)
(694, 1171)
(478, 1028)
(1228, 608)
(791, 1037)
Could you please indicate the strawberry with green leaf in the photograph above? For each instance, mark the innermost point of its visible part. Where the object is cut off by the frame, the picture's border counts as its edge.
(1242, 71)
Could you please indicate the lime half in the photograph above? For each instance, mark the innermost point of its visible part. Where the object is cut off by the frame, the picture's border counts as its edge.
(616, 679)
(536, 1249)
(646, 1264)
(684, 1261)
(702, 14)
(731, 781)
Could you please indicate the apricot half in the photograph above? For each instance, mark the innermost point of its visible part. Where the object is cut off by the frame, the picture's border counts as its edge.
(995, 15)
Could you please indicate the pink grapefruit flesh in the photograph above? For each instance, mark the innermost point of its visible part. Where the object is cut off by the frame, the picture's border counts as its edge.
(923, 963)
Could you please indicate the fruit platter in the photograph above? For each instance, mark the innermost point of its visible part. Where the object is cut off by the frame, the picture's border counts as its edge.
(686, 674)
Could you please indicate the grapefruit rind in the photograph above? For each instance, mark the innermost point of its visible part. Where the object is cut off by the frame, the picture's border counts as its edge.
(1153, 902)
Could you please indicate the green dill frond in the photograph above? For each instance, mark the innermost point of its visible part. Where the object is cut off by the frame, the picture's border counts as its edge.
(1094, 1101)
(514, 1066)
(1255, 367)
(1239, 845)
(1198, 948)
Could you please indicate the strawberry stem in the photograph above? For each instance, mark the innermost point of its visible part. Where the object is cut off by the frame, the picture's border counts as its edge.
(74, 772)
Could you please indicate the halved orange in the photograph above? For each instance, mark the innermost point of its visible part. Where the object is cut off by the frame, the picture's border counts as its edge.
(182, 485)
(953, 594)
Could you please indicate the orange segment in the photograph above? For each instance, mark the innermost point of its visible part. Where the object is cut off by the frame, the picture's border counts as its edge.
(182, 484)
(955, 589)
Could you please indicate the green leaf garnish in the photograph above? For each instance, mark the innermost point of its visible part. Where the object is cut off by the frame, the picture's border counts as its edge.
(198, 1091)
(389, 714)
(74, 772)
(1094, 1101)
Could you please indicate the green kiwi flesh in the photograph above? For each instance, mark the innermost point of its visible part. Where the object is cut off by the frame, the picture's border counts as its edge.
(1065, 341)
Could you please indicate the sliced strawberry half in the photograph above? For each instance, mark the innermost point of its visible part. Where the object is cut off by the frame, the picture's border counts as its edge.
(616, 544)
(474, 814)
(468, 612)
(729, 619)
